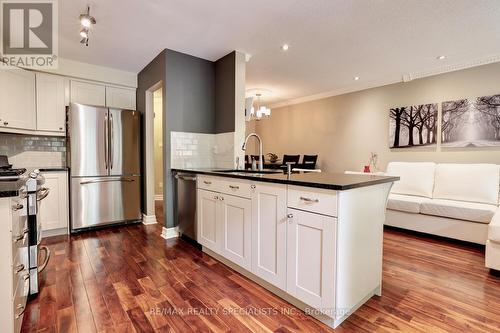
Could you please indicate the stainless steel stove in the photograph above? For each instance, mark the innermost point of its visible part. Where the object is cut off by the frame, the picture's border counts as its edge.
(36, 193)
(32, 185)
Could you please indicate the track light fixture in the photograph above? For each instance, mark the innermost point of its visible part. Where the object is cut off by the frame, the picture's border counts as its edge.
(87, 22)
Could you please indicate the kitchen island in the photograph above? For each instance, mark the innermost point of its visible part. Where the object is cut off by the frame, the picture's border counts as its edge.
(314, 239)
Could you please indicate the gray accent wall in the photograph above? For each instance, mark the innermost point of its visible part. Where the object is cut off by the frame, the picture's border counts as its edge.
(189, 94)
(149, 76)
(225, 81)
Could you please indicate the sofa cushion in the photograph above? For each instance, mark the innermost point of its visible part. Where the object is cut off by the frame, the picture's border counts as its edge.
(416, 178)
(405, 203)
(494, 228)
(467, 182)
(460, 210)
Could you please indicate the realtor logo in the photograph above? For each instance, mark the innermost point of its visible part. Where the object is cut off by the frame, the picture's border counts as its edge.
(29, 34)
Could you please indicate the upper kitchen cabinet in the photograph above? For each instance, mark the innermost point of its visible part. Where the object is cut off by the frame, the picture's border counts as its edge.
(50, 104)
(88, 93)
(120, 98)
(17, 100)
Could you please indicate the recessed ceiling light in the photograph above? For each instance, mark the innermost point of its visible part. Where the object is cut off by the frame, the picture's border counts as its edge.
(441, 57)
(356, 78)
(285, 47)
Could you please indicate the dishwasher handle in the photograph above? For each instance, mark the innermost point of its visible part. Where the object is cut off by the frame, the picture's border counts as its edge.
(183, 177)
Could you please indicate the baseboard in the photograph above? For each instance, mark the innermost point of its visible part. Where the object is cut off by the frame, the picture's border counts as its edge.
(168, 233)
(148, 219)
(158, 197)
(54, 232)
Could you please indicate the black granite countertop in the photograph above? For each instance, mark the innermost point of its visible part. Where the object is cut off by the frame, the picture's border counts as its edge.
(10, 188)
(326, 180)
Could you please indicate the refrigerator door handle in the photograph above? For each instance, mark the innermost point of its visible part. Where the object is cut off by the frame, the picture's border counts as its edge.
(94, 181)
(112, 143)
(106, 124)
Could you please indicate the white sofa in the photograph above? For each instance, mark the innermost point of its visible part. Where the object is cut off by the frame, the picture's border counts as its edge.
(452, 200)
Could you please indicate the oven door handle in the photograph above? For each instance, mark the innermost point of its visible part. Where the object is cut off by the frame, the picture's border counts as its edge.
(45, 260)
(42, 193)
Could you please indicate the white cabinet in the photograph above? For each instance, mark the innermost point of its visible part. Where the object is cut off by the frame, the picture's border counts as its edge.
(17, 100)
(87, 93)
(13, 263)
(50, 104)
(269, 233)
(235, 217)
(224, 226)
(207, 215)
(311, 258)
(121, 98)
(54, 208)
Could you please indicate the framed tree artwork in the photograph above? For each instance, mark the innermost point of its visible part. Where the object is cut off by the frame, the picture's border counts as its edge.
(413, 126)
(471, 122)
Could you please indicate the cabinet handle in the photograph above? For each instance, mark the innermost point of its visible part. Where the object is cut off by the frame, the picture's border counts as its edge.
(26, 277)
(221, 198)
(21, 236)
(290, 216)
(234, 187)
(19, 268)
(5, 123)
(309, 199)
(216, 197)
(207, 182)
(17, 207)
(22, 308)
(253, 187)
(60, 128)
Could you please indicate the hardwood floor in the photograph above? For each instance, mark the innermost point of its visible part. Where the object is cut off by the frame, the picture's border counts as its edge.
(129, 279)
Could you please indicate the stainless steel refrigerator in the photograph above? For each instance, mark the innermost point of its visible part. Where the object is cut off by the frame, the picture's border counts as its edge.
(104, 160)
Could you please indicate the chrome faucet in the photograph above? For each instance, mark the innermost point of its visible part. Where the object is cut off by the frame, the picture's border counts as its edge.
(244, 147)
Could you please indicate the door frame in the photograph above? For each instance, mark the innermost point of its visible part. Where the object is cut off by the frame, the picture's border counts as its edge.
(149, 217)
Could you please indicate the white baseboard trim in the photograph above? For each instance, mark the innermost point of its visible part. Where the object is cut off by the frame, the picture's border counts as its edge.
(168, 233)
(55, 232)
(158, 197)
(148, 219)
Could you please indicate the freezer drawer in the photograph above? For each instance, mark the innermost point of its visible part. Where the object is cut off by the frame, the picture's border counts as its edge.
(104, 200)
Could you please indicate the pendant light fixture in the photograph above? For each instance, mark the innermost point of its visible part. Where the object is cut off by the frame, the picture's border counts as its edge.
(87, 22)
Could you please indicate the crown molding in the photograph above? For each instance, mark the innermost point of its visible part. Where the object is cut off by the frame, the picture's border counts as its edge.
(407, 77)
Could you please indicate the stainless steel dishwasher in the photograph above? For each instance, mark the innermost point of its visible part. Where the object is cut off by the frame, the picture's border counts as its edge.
(185, 204)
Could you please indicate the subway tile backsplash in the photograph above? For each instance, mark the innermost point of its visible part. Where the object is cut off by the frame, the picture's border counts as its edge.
(28, 151)
(198, 150)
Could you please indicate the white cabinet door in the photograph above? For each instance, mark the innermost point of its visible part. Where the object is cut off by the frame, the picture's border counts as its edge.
(54, 208)
(88, 93)
(121, 98)
(17, 100)
(269, 233)
(209, 232)
(50, 103)
(311, 259)
(235, 217)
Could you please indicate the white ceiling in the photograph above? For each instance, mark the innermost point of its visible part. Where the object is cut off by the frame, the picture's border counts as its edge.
(331, 41)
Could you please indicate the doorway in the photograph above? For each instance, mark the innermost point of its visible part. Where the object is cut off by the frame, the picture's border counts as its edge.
(153, 157)
(158, 153)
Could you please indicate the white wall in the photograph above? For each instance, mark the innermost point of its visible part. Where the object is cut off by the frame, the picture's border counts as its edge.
(102, 74)
(344, 129)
